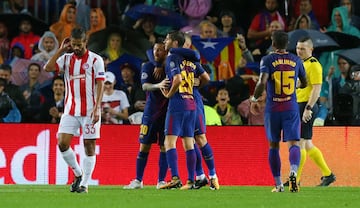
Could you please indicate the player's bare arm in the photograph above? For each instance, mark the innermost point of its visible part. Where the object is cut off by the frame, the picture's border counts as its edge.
(99, 94)
(260, 85)
(50, 66)
(151, 87)
(259, 89)
(314, 96)
(174, 87)
(204, 78)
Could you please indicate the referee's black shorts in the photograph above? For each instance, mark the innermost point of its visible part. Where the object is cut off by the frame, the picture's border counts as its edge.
(307, 128)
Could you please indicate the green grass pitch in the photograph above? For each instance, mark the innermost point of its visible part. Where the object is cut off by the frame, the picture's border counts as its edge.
(39, 196)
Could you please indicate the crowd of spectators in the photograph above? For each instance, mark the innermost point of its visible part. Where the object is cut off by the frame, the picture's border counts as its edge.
(242, 28)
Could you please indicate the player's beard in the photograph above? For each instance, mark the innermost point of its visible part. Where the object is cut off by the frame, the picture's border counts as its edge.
(79, 52)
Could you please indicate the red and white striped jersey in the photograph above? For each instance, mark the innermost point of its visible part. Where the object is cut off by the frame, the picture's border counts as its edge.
(80, 75)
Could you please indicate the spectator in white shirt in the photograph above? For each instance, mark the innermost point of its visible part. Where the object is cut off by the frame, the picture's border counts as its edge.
(115, 103)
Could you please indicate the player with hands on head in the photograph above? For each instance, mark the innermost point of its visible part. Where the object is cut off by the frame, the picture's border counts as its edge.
(84, 77)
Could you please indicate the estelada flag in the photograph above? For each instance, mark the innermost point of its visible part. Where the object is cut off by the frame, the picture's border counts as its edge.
(222, 55)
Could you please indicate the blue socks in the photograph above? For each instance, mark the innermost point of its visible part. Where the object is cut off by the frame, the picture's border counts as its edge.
(191, 164)
(172, 160)
(141, 161)
(209, 158)
(199, 169)
(294, 158)
(163, 166)
(275, 163)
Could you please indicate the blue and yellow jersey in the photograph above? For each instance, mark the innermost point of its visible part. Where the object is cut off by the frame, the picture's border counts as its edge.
(193, 56)
(284, 70)
(183, 99)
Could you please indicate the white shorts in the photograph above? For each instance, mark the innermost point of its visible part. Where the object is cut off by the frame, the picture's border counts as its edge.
(71, 125)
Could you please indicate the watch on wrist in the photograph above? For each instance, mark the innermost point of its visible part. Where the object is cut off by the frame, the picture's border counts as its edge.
(308, 107)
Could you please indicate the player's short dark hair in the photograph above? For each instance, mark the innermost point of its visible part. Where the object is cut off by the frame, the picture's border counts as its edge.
(280, 39)
(78, 33)
(178, 36)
